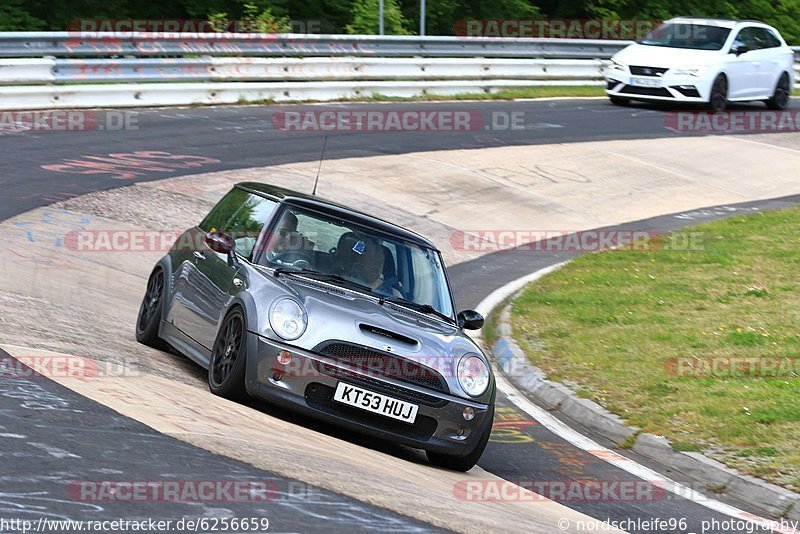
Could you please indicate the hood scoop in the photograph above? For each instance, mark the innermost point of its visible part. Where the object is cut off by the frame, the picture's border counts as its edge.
(381, 333)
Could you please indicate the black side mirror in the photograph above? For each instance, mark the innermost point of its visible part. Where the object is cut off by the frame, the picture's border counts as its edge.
(470, 320)
(739, 50)
(220, 242)
(224, 244)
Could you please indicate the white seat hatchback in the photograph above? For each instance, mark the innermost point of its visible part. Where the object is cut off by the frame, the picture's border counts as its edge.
(704, 61)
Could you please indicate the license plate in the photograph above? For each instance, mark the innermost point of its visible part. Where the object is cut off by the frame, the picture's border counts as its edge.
(646, 82)
(375, 402)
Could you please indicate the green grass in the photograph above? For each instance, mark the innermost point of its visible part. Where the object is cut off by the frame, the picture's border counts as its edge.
(506, 94)
(615, 322)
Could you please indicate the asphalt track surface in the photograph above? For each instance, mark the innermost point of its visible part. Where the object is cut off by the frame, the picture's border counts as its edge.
(242, 137)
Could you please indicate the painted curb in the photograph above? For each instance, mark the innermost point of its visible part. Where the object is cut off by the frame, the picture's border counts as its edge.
(776, 501)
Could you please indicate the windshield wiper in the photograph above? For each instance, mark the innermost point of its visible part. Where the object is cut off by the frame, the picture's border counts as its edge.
(416, 306)
(323, 277)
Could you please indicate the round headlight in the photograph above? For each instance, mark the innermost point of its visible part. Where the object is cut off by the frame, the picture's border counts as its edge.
(473, 375)
(288, 319)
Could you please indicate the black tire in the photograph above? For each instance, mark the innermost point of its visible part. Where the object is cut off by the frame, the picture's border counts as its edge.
(226, 369)
(780, 98)
(149, 317)
(718, 100)
(463, 463)
(619, 101)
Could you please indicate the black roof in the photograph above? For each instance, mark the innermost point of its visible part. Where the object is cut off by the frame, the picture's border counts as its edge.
(333, 209)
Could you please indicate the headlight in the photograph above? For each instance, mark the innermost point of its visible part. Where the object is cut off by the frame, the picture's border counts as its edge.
(473, 375)
(288, 319)
(616, 65)
(690, 71)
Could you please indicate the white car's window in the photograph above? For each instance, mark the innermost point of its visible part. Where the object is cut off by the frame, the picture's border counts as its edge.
(686, 35)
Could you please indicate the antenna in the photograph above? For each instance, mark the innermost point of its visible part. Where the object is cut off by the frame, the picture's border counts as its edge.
(321, 157)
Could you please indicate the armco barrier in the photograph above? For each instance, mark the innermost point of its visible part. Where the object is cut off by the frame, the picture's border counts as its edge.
(322, 68)
(80, 44)
(64, 69)
(181, 94)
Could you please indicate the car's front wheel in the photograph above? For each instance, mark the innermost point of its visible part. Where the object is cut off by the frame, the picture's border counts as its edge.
(149, 316)
(780, 98)
(719, 94)
(463, 463)
(226, 369)
(619, 101)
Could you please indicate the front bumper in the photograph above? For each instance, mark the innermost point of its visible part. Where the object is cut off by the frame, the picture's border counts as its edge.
(671, 87)
(306, 385)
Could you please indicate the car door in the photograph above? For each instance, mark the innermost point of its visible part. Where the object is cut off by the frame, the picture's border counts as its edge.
(742, 77)
(185, 256)
(212, 281)
(771, 59)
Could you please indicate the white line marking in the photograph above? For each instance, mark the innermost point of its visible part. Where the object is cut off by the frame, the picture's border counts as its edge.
(585, 443)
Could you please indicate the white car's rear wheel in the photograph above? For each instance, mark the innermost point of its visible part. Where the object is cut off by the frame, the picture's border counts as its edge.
(780, 98)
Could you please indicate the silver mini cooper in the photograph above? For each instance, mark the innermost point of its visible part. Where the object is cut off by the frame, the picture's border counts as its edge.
(327, 311)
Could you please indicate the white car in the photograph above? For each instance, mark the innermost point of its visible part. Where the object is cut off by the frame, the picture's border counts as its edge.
(704, 61)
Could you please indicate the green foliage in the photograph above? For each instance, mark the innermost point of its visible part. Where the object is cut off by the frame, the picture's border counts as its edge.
(401, 16)
(366, 18)
(261, 20)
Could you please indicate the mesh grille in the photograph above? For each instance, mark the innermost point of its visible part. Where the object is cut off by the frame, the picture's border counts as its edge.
(649, 91)
(647, 71)
(376, 363)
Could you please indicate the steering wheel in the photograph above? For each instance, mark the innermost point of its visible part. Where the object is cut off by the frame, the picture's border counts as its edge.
(294, 258)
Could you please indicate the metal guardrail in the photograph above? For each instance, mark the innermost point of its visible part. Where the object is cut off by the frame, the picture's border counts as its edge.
(64, 69)
(307, 69)
(105, 44)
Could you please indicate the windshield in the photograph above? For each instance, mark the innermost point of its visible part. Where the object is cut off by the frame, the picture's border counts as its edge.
(374, 262)
(692, 36)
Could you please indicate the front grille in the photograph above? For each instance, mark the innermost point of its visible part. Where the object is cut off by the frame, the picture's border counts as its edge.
(647, 71)
(649, 91)
(379, 386)
(320, 397)
(375, 362)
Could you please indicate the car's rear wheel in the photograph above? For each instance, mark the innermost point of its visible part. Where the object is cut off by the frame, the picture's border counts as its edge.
(226, 369)
(150, 312)
(463, 463)
(780, 98)
(619, 101)
(719, 94)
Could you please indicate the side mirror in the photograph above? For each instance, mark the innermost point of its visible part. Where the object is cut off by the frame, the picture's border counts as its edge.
(220, 242)
(739, 50)
(470, 320)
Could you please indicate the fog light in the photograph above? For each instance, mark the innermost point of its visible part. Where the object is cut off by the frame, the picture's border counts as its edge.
(277, 376)
(468, 414)
(284, 357)
(460, 431)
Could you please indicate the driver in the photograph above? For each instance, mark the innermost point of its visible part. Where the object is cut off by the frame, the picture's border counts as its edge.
(286, 240)
(368, 267)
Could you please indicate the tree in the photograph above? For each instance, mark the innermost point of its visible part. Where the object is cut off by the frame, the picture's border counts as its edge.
(366, 18)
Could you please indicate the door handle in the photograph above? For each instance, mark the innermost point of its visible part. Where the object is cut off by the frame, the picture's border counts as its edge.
(199, 255)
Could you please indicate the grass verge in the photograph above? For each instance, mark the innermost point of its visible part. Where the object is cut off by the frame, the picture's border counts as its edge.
(653, 336)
